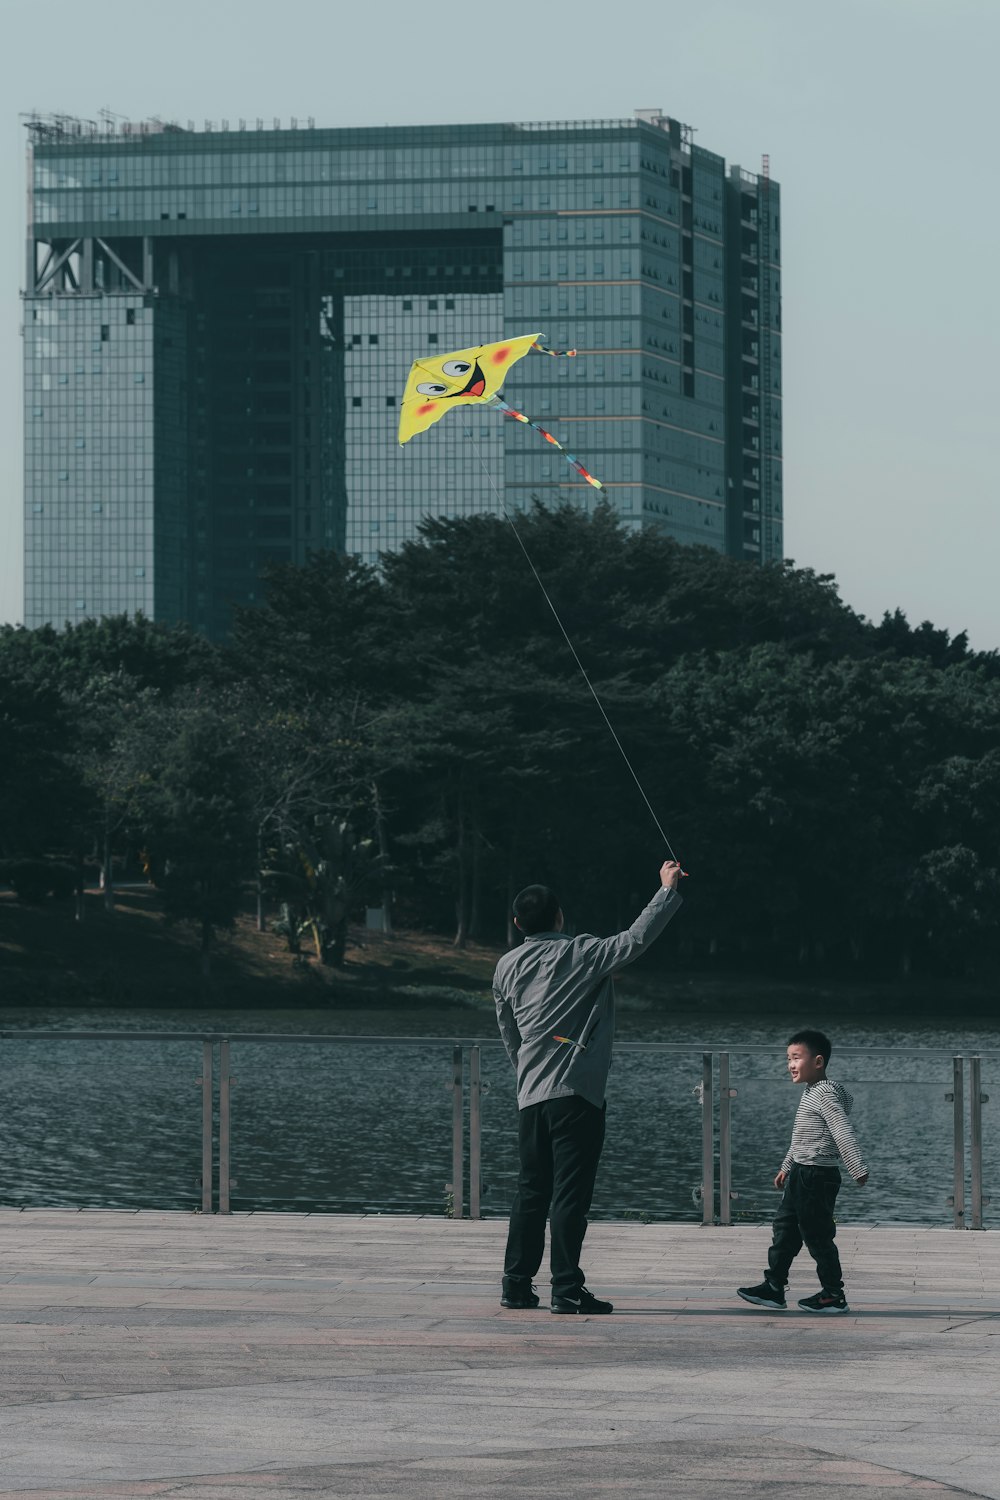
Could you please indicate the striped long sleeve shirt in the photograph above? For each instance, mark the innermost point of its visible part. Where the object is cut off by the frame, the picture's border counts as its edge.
(822, 1135)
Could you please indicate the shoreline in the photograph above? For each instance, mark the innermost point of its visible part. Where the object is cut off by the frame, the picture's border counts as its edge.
(130, 958)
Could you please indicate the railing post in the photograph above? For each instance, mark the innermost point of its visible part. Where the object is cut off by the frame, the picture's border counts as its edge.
(475, 1132)
(976, 1100)
(207, 1157)
(707, 1142)
(726, 1095)
(224, 1119)
(457, 1133)
(957, 1097)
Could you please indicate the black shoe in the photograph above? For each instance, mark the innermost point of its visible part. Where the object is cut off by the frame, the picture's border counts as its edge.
(765, 1295)
(580, 1301)
(518, 1294)
(825, 1302)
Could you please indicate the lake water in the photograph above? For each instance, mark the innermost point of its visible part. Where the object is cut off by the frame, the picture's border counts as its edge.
(367, 1125)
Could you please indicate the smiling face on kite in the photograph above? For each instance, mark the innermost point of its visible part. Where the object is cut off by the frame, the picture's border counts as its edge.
(464, 377)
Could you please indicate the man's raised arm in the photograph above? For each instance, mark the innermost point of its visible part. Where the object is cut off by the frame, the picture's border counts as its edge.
(610, 954)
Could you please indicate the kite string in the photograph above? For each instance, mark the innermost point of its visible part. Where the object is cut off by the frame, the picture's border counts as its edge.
(565, 635)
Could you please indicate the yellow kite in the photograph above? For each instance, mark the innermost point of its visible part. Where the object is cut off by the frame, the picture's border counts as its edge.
(473, 377)
(466, 377)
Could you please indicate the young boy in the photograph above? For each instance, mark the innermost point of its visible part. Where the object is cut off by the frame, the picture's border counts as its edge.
(810, 1177)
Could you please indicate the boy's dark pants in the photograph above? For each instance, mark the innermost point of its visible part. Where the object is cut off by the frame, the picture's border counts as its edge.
(805, 1217)
(559, 1142)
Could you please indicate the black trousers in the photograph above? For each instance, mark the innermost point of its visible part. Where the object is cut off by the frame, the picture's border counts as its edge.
(559, 1142)
(805, 1217)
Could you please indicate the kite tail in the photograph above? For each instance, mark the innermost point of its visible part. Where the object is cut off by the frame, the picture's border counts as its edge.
(573, 462)
(555, 353)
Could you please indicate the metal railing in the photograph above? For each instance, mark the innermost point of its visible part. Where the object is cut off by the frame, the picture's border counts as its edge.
(216, 1081)
(715, 1091)
(956, 1097)
(716, 1192)
(222, 1195)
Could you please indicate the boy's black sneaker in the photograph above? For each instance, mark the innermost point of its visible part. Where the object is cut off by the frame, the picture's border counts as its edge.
(825, 1302)
(518, 1294)
(580, 1301)
(764, 1295)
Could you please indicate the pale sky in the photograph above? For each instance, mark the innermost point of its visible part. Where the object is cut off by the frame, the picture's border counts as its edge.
(878, 119)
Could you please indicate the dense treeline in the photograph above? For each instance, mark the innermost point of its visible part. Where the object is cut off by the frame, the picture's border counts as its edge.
(421, 739)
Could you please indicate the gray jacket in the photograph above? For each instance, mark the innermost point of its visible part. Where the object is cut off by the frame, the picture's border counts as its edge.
(558, 986)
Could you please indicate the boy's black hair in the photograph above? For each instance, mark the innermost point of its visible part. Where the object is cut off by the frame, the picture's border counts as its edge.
(819, 1045)
(536, 909)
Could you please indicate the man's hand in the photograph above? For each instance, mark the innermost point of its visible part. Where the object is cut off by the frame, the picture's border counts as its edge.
(670, 874)
(779, 1181)
(861, 1180)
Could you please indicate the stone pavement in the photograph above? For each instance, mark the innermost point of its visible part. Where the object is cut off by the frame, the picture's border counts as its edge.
(154, 1354)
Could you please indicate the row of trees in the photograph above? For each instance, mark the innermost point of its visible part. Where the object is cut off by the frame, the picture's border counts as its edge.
(420, 738)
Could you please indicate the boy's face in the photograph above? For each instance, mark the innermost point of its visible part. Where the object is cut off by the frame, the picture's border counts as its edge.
(803, 1066)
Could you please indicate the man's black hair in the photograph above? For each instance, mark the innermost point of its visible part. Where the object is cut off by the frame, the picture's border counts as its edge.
(536, 909)
(819, 1045)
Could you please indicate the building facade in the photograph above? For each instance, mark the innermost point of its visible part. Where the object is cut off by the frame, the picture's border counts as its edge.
(218, 325)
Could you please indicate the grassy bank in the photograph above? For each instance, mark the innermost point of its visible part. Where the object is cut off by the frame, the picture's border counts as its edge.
(132, 957)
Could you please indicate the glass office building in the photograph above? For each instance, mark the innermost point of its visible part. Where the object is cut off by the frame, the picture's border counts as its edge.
(219, 323)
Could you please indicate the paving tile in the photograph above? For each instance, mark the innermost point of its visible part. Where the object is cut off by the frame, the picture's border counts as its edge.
(356, 1355)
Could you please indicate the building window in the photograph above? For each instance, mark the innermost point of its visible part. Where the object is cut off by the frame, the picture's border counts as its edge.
(355, 400)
